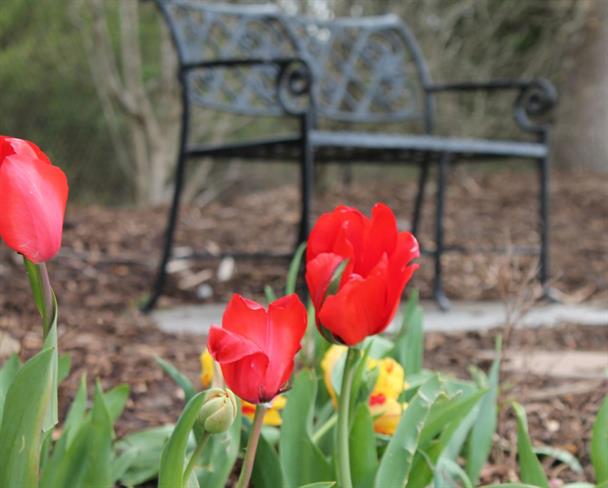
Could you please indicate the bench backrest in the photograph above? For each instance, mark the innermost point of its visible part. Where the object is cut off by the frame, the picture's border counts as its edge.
(366, 69)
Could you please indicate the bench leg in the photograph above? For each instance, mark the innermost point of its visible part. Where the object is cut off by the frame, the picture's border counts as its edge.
(543, 275)
(438, 293)
(422, 179)
(306, 178)
(161, 274)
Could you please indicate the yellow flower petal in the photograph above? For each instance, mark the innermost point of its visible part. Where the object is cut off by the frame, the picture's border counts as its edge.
(327, 365)
(272, 415)
(206, 376)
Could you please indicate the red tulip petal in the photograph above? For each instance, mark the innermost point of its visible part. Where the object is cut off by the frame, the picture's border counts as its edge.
(243, 363)
(319, 272)
(380, 238)
(346, 221)
(246, 318)
(358, 309)
(33, 195)
(287, 317)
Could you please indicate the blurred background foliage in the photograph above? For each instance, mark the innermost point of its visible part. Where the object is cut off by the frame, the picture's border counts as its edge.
(56, 84)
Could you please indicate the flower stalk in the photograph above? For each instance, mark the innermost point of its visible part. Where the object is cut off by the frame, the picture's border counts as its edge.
(344, 475)
(252, 445)
(195, 455)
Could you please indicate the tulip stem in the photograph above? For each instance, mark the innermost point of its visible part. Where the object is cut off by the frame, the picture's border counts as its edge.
(344, 475)
(252, 445)
(197, 452)
(47, 298)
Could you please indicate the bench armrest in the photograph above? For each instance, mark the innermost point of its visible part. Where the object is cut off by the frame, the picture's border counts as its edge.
(294, 78)
(534, 97)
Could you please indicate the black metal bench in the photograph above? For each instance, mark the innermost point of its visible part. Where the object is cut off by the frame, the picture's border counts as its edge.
(255, 60)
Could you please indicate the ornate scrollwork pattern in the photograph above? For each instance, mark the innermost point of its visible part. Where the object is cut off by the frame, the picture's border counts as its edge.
(535, 99)
(357, 70)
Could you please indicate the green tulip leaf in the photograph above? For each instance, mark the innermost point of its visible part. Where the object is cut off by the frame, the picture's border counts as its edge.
(301, 460)
(294, 269)
(482, 431)
(180, 378)
(599, 444)
(171, 474)
(50, 342)
(269, 294)
(409, 343)
(25, 405)
(362, 441)
(321, 484)
(7, 375)
(531, 471)
(138, 455)
(115, 400)
(395, 466)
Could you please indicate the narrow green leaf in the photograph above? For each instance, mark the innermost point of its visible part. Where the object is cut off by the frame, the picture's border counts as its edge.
(87, 460)
(50, 342)
(63, 367)
(99, 449)
(7, 375)
(409, 344)
(301, 460)
(269, 294)
(77, 411)
(180, 378)
(321, 484)
(24, 409)
(450, 470)
(115, 400)
(581, 484)
(171, 473)
(362, 442)
(219, 456)
(531, 471)
(480, 439)
(35, 279)
(599, 443)
(446, 411)
(560, 455)
(396, 463)
(510, 485)
(294, 269)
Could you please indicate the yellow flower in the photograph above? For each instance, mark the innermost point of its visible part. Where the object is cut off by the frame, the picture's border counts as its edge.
(330, 358)
(391, 377)
(206, 376)
(384, 399)
(272, 415)
(386, 413)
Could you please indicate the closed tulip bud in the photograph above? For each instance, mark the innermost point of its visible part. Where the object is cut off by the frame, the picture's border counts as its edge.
(218, 411)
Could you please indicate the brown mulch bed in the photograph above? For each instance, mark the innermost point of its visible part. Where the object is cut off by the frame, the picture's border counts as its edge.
(109, 255)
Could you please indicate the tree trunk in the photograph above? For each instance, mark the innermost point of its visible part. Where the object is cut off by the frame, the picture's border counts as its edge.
(581, 135)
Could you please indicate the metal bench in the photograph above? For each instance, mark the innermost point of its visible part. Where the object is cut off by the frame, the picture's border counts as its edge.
(256, 60)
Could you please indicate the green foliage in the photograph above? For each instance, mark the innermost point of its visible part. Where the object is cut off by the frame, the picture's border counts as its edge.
(180, 378)
(409, 343)
(395, 466)
(294, 269)
(25, 405)
(482, 431)
(174, 453)
(531, 471)
(599, 444)
(363, 453)
(301, 460)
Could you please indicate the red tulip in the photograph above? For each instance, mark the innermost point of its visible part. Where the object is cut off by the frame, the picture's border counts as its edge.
(376, 272)
(256, 348)
(33, 195)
